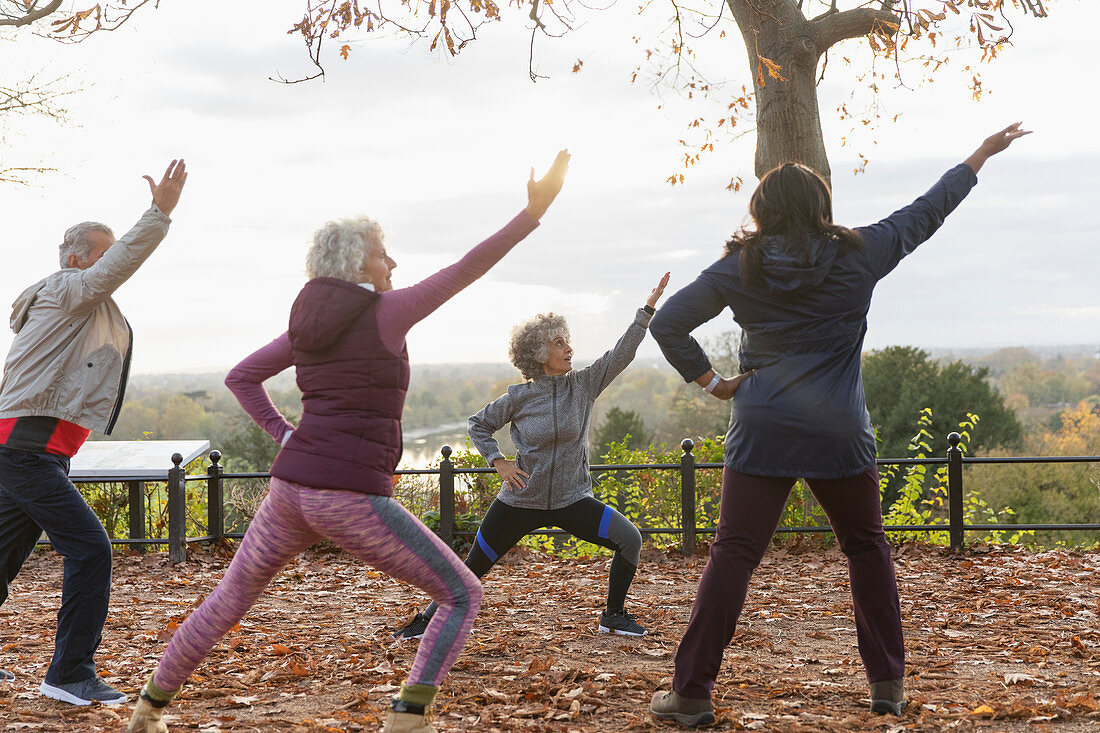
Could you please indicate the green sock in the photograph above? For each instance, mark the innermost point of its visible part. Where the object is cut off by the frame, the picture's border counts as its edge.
(156, 693)
(418, 694)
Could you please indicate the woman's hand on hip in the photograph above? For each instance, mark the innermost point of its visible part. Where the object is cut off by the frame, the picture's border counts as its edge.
(726, 388)
(511, 477)
(657, 292)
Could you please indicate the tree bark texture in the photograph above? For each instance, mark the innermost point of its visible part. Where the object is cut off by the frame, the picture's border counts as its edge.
(788, 119)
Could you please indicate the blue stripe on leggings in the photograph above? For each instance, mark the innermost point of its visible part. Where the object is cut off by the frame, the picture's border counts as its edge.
(605, 520)
(485, 547)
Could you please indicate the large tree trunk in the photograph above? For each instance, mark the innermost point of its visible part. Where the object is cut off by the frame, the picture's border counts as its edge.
(784, 47)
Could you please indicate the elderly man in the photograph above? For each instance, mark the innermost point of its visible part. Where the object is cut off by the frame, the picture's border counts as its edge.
(65, 376)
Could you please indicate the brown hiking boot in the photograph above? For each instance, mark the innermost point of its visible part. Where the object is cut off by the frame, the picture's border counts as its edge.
(408, 722)
(688, 711)
(146, 718)
(887, 697)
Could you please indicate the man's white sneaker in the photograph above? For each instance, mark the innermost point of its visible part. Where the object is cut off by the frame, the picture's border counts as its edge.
(84, 692)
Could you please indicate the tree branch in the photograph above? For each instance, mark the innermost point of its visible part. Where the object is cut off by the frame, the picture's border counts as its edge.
(831, 28)
(31, 15)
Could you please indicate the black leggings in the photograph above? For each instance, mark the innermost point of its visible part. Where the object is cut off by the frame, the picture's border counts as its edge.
(588, 519)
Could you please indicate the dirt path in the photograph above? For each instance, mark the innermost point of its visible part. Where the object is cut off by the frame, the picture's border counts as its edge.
(1000, 639)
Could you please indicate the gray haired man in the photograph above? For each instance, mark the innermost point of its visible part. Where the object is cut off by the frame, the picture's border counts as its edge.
(65, 376)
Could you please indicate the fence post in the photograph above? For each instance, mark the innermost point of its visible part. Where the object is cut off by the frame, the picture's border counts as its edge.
(687, 496)
(955, 491)
(215, 506)
(136, 490)
(446, 497)
(177, 512)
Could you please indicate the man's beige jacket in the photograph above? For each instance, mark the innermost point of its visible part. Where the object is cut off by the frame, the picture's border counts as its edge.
(71, 355)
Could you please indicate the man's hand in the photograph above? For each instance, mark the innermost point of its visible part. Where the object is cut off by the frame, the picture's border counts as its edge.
(166, 194)
(510, 475)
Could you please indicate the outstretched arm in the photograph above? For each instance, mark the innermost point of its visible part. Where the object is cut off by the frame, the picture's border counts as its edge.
(898, 235)
(96, 283)
(399, 310)
(596, 377)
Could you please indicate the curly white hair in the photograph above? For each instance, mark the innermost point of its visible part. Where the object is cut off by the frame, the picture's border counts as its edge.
(527, 348)
(338, 247)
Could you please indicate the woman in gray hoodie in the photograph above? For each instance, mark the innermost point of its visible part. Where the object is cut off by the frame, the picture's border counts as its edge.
(550, 484)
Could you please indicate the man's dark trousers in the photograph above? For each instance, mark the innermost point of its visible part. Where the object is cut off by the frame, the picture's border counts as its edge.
(35, 495)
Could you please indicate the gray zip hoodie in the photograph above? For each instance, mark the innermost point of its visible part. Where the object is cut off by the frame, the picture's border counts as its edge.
(550, 418)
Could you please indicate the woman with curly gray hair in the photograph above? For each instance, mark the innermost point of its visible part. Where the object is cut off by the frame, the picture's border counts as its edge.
(549, 484)
(333, 477)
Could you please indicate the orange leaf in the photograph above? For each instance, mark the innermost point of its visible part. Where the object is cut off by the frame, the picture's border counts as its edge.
(281, 650)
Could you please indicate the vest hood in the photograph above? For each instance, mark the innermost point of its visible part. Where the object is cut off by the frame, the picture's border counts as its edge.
(323, 310)
(787, 265)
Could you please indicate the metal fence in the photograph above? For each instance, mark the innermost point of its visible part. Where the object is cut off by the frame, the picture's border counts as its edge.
(215, 479)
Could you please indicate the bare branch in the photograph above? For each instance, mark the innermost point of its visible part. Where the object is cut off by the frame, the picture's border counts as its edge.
(531, 58)
(31, 14)
(831, 28)
(22, 176)
(107, 18)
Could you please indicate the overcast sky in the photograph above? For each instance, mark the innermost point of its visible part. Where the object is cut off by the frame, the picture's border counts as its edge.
(438, 152)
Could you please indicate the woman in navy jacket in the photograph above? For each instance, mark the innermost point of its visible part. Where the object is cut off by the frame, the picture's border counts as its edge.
(799, 287)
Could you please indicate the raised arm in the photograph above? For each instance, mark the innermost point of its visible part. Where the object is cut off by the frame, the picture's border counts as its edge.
(399, 310)
(124, 257)
(596, 377)
(246, 380)
(898, 235)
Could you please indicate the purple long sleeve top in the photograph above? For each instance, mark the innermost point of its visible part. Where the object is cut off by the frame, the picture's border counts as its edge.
(398, 311)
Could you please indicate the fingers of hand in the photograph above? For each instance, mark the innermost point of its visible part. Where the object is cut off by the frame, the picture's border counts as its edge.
(152, 184)
(168, 172)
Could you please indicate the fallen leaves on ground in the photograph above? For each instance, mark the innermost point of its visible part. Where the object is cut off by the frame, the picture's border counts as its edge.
(998, 639)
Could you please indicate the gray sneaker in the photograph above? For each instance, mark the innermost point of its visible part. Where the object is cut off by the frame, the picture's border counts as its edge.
(6, 676)
(84, 692)
(414, 629)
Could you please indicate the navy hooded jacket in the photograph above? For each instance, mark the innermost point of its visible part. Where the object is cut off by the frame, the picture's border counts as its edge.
(803, 414)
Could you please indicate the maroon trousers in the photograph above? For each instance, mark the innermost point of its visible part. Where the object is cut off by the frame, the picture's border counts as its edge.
(750, 512)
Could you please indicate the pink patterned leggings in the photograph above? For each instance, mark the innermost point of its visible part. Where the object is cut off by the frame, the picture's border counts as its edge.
(374, 528)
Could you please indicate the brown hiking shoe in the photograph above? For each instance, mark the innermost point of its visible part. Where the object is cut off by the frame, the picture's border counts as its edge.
(887, 697)
(687, 711)
(408, 722)
(146, 718)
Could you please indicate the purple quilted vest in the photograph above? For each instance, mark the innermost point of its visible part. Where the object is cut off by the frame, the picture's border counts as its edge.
(353, 392)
